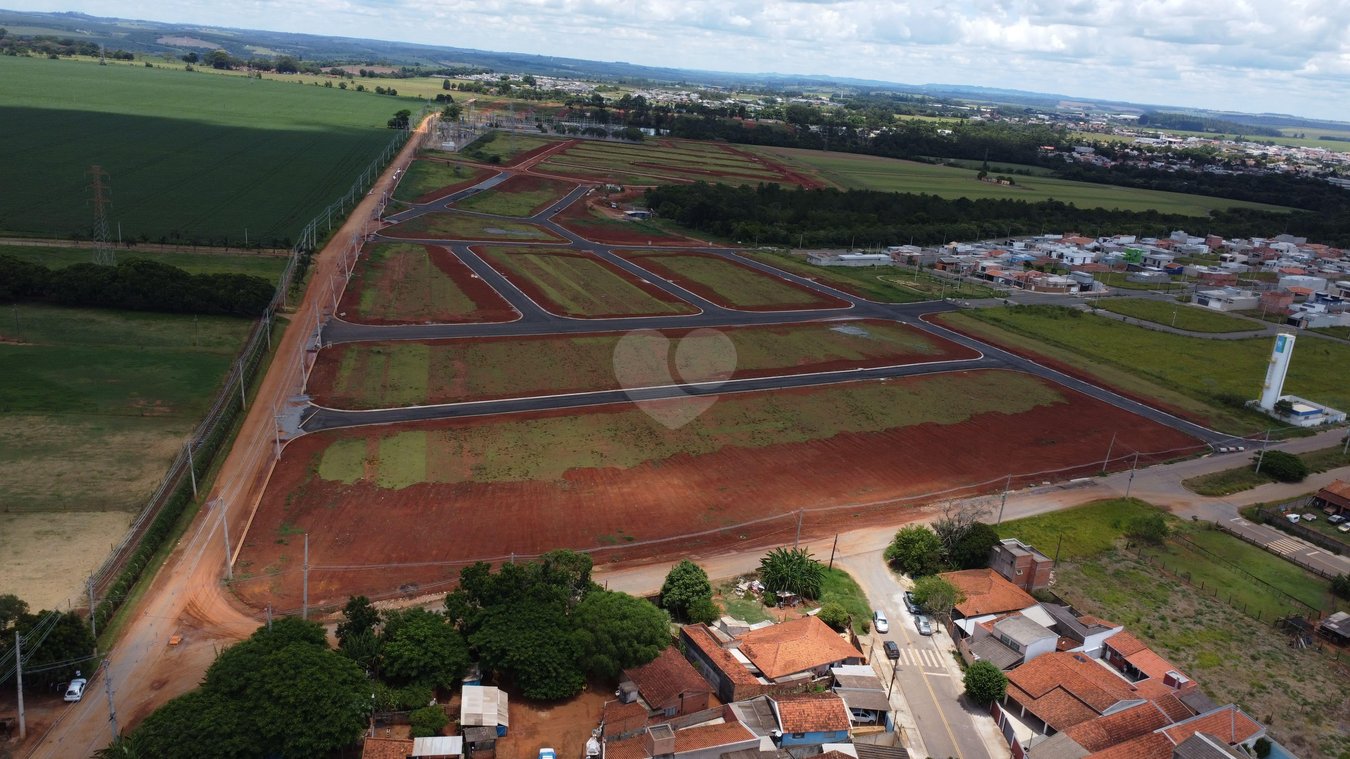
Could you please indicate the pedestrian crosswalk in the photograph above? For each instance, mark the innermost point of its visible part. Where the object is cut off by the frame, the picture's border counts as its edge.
(1285, 546)
(921, 657)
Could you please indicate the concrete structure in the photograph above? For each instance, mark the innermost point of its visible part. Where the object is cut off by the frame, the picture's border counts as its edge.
(1227, 299)
(1276, 371)
(1021, 564)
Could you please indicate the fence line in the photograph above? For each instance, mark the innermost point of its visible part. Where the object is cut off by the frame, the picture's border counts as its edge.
(1289, 558)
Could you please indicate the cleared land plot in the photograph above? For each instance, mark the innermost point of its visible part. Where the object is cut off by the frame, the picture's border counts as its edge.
(267, 266)
(861, 172)
(462, 490)
(47, 556)
(668, 161)
(886, 284)
(185, 151)
(406, 283)
(1179, 315)
(577, 284)
(385, 375)
(1217, 376)
(449, 225)
(506, 148)
(427, 180)
(733, 285)
(521, 195)
(590, 218)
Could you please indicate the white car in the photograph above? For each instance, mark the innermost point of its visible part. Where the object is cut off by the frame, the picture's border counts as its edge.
(1310, 517)
(75, 690)
(1292, 518)
(879, 622)
(1344, 527)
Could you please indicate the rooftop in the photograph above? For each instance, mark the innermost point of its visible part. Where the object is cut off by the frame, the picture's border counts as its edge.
(703, 640)
(987, 592)
(387, 748)
(993, 650)
(795, 646)
(662, 680)
(1104, 732)
(811, 713)
(1022, 630)
(707, 736)
(1064, 689)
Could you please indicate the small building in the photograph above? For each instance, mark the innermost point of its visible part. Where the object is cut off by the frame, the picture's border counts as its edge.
(864, 694)
(1010, 641)
(711, 656)
(670, 685)
(1227, 299)
(800, 649)
(638, 214)
(1021, 564)
(987, 592)
(483, 706)
(704, 741)
(1336, 628)
(811, 719)
(1334, 498)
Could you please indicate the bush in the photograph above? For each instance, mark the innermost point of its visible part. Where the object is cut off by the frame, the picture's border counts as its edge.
(985, 683)
(834, 615)
(1340, 585)
(428, 721)
(915, 550)
(1285, 467)
(1262, 748)
(1148, 528)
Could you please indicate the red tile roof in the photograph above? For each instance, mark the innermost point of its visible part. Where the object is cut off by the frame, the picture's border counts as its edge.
(617, 712)
(386, 748)
(987, 592)
(628, 748)
(663, 679)
(1064, 689)
(707, 736)
(1151, 746)
(704, 641)
(812, 713)
(1339, 488)
(795, 646)
(1125, 644)
(1104, 732)
(1227, 723)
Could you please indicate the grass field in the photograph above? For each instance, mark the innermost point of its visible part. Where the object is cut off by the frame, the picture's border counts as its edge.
(731, 284)
(144, 380)
(1179, 315)
(862, 172)
(501, 147)
(518, 196)
(458, 226)
(268, 267)
(658, 162)
(402, 373)
(547, 448)
(1121, 279)
(580, 285)
(424, 177)
(1209, 371)
(1246, 477)
(407, 283)
(189, 155)
(882, 283)
(838, 587)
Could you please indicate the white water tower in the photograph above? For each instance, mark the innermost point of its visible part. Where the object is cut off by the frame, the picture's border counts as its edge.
(1279, 366)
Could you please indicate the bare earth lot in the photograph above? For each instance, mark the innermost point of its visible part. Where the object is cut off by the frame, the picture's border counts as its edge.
(571, 282)
(403, 283)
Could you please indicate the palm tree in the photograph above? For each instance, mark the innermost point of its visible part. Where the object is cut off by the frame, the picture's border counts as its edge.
(792, 570)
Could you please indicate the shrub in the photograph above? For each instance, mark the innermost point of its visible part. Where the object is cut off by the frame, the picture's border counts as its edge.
(1340, 585)
(834, 615)
(1285, 467)
(985, 683)
(427, 721)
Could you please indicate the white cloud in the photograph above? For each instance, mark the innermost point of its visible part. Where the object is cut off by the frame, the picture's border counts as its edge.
(1251, 55)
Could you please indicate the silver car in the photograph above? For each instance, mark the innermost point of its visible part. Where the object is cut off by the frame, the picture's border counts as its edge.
(879, 621)
(923, 624)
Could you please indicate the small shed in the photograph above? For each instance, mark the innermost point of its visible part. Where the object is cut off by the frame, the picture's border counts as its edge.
(484, 706)
(1336, 628)
(438, 747)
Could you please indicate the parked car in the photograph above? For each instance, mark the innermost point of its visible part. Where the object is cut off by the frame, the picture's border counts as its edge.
(547, 753)
(863, 716)
(75, 690)
(1345, 527)
(1310, 517)
(892, 650)
(1292, 518)
(879, 622)
(1336, 519)
(910, 603)
(923, 624)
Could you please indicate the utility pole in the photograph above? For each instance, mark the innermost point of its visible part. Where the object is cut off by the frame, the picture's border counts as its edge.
(798, 539)
(895, 670)
(104, 255)
(93, 618)
(1261, 457)
(1133, 467)
(225, 525)
(1345, 449)
(269, 617)
(304, 603)
(192, 470)
(18, 674)
(1006, 486)
(1107, 461)
(833, 548)
(112, 708)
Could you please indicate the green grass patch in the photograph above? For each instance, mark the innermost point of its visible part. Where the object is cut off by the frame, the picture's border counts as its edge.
(1179, 315)
(501, 147)
(343, 461)
(403, 459)
(732, 284)
(425, 177)
(268, 267)
(886, 284)
(461, 226)
(748, 609)
(579, 285)
(399, 282)
(1341, 332)
(1237, 479)
(840, 588)
(518, 196)
(1121, 280)
(1079, 532)
(189, 155)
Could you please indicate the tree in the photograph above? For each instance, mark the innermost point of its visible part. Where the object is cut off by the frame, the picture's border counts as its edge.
(834, 615)
(1284, 467)
(445, 84)
(11, 608)
(191, 58)
(685, 584)
(427, 721)
(1150, 529)
(67, 648)
(792, 570)
(915, 550)
(421, 646)
(287, 65)
(957, 519)
(359, 617)
(937, 597)
(401, 117)
(985, 683)
(1340, 585)
(616, 631)
(704, 610)
(532, 641)
(971, 550)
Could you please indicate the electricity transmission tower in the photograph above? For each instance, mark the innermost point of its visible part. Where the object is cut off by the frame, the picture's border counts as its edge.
(104, 255)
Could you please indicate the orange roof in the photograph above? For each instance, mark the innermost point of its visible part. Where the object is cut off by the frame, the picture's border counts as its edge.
(628, 748)
(1125, 644)
(1228, 723)
(704, 641)
(618, 711)
(795, 646)
(1064, 689)
(387, 748)
(1300, 290)
(707, 736)
(663, 679)
(1339, 488)
(1151, 746)
(812, 713)
(1104, 732)
(987, 592)
(1154, 666)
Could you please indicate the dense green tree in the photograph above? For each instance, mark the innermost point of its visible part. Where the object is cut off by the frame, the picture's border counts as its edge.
(704, 610)
(834, 615)
(67, 648)
(685, 584)
(971, 550)
(421, 646)
(427, 721)
(11, 608)
(532, 640)
(359, 616)
(616, 631)
(985, 683)
(1284, 467)
(792, 570)
(1340, 585)
(915, 550)
(937, 597)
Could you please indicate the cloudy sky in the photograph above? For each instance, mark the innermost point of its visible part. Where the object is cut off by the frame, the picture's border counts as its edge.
(1286, 56)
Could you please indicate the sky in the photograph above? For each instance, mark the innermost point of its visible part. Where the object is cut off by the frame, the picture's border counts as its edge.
(1281, 56)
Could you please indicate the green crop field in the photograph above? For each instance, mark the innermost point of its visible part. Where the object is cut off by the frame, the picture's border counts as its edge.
(650, 163)
(887, 284)
(518, 196)
(863, 172)
(461, 226)
(731, 284)
(107, 431)
(1220, 374)
(189, 155)
(429, 176)
(578, 284)
(385, 375)
(268, 267)
(1179, 315)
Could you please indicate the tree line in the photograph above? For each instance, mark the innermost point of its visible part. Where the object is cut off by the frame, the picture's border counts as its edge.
(135, 284)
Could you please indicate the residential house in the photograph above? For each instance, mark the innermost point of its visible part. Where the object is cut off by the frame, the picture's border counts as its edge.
(1336, 628)
(1227, 299)
(1021, 564)
(1009, 641)
(1334, 498)
(1082, 633)
(864, 694)
(711, 655)
(1137, 662)
(669, 685)
(987, 592)
(811, 719)
(709, 740)
(1146, 732)
(386, 748)
(798, 650)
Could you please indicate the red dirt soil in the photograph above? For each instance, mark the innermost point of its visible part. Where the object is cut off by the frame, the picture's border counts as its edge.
(527, 286)
(614, 510)
(811, 298)
(578, 219)
(329, 363)
(491, 307)
(1072, 371)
